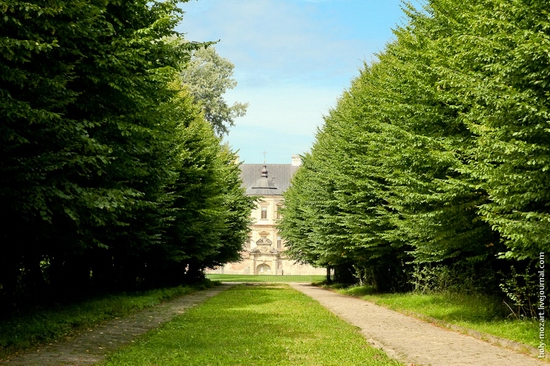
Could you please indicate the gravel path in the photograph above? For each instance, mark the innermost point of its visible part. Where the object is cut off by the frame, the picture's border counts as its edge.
(92, 345)
(412, 341)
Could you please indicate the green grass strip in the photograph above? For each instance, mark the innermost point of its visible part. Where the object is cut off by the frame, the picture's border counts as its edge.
(264, 278)
(254, 325)
(40, 326)
(477, 312)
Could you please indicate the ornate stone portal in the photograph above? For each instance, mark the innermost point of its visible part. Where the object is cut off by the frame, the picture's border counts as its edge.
(266, 255)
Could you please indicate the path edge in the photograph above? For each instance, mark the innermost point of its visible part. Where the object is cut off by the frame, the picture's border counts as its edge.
(503, 343)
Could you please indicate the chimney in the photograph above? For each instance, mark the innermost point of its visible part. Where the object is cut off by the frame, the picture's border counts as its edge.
(296, 160)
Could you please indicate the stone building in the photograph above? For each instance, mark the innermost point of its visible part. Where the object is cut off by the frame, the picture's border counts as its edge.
(264, 251)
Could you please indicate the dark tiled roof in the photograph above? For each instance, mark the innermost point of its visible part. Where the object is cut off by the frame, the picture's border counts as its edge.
(279, 175)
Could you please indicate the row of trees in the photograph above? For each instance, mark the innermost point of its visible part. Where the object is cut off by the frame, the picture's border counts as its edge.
(110, 174)
(437, 157)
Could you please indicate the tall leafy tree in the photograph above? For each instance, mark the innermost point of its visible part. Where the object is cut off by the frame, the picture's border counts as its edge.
(348, 219)
(238, 207)
(396, 156)
(82, 157)
(210, 211)
(436, 199)
(298, 213)
(495, 66)
(207, 77)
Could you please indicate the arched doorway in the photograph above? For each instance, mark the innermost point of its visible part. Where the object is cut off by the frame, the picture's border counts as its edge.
(263, 269)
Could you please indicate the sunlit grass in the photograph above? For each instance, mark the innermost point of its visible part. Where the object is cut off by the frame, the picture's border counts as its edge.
(263, 278)
(254, 325)
(478, 312)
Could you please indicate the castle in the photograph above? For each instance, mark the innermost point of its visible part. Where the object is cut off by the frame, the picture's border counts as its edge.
(264, 251)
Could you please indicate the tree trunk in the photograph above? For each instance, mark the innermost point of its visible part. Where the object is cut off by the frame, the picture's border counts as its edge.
(328, 275)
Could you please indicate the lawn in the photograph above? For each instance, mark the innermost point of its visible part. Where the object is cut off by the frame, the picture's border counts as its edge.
(263, 278)
(256, 324)
(478, 312)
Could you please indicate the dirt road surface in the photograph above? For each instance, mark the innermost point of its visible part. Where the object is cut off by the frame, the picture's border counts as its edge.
(412, 341)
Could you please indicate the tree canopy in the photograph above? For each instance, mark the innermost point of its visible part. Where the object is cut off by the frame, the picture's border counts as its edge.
(109, 173)
(437, 153)
(207, 77)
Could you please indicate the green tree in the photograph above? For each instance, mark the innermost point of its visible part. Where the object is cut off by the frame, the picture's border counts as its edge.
(495, 67)
(81, 156)
(211, 211)
(344, 198)
(238, 207)
(395, 157)
(436, 198)
(438, 150)
(207, 77)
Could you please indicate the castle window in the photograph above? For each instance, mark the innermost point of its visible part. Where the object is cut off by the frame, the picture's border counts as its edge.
(264, 213)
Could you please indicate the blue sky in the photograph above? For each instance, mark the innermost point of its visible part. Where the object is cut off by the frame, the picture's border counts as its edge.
(293, 59)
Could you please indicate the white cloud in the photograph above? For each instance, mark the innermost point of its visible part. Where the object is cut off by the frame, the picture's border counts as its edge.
(280, 121)
(277, 42)
(292, 61)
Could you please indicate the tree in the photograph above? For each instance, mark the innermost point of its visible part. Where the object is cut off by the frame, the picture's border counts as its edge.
(437, 199)
(395, 155)
(206, 210)
(82, 160)
(495, 67)
(343, 194)
(207, 77)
